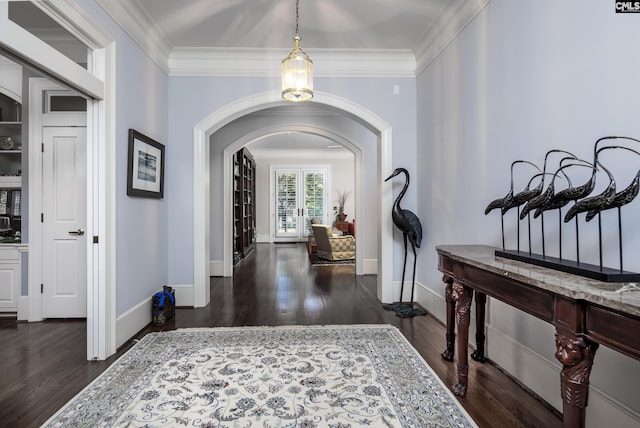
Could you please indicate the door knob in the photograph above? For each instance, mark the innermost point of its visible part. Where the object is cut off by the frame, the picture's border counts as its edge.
(79, 232)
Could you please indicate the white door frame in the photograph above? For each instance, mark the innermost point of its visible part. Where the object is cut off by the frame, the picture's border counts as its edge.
(38, 87)
(273, 210)
(201, 135)
(98, 82)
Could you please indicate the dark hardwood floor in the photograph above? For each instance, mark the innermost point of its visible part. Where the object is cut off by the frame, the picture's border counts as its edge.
(44, 364)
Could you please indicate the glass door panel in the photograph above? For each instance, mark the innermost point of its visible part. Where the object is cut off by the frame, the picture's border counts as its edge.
(300, 195)
(315, 200)
(287, 204)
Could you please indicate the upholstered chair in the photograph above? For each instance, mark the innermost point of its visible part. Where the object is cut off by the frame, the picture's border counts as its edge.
(331, 246)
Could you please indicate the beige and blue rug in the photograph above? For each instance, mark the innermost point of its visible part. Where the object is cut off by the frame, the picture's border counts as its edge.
(317, 261)
(329, 376)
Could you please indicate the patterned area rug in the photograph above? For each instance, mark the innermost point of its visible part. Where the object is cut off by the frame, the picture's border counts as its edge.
(317, 261)
(329, 376)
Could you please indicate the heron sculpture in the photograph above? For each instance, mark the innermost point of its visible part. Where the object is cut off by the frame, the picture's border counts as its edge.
(562, 198)
(507, 202)
(411, 229)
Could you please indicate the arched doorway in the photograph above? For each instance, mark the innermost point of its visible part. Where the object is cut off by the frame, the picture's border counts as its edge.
(286, 129)
(203, 131)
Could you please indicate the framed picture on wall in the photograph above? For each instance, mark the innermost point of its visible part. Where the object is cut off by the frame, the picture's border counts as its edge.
(145, 175)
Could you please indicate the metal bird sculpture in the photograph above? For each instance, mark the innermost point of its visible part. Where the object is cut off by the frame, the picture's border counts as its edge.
(543, 198)
(598, 201)
(558, 203)
(506, 200)
(584, 190)
(619, 200)
(563, 197)
(625, 196)
(539, 201)
(411, 229)
(526, 194)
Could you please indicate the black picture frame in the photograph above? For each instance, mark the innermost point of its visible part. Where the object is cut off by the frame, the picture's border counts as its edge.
(145, 171)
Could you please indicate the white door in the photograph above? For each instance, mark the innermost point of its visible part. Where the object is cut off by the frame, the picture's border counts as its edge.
(64, 256)
(300, 195)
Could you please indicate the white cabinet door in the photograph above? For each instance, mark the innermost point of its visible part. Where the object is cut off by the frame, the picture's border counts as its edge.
(9, 279)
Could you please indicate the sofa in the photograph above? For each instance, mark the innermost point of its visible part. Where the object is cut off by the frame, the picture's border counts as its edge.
(330, 246)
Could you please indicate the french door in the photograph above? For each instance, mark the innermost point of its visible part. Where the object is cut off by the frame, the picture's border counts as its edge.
(300, 195)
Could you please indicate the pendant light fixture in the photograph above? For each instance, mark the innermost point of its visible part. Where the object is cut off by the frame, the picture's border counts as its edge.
(297, 71)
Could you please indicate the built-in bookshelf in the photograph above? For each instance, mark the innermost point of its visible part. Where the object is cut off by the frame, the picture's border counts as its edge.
(10, 165)
(244, 210)
(11, 247)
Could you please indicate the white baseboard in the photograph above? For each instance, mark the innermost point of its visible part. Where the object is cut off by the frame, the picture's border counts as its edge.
(430, 300)
(603, 411)
(424, 296)
(138, 317)
(132, 321)
(184, 295)
(538, 373)
(369, 266)
(23, 308)
(216, 268)
(263, 237)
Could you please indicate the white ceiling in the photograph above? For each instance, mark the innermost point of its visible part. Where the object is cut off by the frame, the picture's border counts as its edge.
(225, 37)
(354, 38)
(330, 24)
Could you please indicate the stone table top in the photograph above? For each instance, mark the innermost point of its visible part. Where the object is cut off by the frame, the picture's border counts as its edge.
(620, 296)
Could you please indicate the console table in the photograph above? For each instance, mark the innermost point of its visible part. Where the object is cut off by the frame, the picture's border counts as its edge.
(585, 312)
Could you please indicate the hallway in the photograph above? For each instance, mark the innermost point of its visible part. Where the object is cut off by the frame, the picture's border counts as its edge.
(44, 363)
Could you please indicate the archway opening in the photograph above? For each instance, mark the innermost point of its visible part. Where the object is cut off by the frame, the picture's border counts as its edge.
(225, 115)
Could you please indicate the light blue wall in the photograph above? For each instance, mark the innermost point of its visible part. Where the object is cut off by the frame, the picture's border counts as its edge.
(523, 78)
(193, 99)
(141, 223)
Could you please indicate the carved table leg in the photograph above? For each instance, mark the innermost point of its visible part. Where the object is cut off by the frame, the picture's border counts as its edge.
(451, 320)
(481, 302)
(576, 355)
(462, 296)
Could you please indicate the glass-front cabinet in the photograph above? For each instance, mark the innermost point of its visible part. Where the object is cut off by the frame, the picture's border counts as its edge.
(10, 169)
(11, 193)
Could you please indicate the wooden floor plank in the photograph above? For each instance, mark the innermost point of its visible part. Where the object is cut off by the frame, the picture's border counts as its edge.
(44, 364)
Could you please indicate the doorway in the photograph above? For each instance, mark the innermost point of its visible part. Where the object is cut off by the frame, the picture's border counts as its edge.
(299, 195)
(201, 180)
(59, 122)
(98, 82)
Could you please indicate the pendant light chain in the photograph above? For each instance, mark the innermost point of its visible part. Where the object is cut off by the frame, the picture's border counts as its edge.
(297, 16)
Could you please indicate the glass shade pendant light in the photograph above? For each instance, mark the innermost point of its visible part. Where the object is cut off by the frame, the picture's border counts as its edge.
(297, 71)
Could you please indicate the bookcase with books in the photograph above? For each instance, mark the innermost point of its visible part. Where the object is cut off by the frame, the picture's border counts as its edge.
(244, 210)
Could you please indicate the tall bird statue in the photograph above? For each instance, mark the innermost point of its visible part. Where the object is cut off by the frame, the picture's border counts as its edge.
(411, 229)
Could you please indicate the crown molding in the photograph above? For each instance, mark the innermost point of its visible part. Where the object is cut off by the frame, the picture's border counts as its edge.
(141, 28)
(445, 29)
(253, 62)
